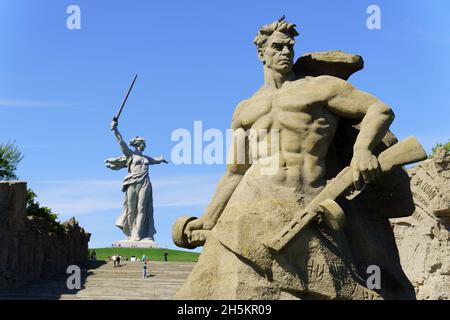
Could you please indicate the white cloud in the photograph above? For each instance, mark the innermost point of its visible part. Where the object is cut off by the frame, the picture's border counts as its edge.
(32, 103)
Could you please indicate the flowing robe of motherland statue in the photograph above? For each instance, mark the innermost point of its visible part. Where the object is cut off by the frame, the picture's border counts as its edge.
(136, 220)
(322, 124)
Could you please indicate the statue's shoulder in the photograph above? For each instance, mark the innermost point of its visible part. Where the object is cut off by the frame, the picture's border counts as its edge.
(328, 82)
(244, 104)
(258, 94)
(237, 114)
(256, 98)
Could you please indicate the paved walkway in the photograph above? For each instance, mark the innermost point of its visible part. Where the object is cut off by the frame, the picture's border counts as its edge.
(104, 282)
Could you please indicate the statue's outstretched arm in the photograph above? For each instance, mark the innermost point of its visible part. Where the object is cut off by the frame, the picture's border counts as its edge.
(126, 151)
(376, 118)
(157, 160)
(237, 164)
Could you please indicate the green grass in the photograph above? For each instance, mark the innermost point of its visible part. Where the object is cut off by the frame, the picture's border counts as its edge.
(155, 254)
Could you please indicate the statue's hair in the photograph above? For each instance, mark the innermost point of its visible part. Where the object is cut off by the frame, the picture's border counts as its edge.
(136, 141)
(266, 31)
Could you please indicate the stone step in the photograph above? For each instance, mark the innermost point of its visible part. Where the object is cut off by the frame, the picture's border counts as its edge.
(104, 282)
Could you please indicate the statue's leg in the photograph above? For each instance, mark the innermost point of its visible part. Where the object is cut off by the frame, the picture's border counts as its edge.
(144, 213)
(132, 199)
(122, 220)
(151, 222)
(146, 206)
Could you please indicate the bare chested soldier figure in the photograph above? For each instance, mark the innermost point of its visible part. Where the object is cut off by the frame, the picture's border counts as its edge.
(249, 204)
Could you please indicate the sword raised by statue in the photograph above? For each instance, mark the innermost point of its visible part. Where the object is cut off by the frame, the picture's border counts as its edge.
(116, 117)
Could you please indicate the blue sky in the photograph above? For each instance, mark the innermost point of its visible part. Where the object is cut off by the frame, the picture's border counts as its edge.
(60, 88)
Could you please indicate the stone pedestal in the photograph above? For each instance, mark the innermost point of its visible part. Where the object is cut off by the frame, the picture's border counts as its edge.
(135, 244)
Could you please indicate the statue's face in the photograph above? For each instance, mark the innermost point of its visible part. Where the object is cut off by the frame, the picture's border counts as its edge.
(141, 146)
(278, 54)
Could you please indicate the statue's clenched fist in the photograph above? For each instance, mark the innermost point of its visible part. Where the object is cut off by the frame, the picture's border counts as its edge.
(195, 234)
(114, 124)
(364, 164)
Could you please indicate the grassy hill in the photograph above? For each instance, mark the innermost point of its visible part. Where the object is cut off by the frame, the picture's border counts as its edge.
(155, 254)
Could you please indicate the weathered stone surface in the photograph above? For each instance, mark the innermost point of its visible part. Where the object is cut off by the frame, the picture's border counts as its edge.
(28, 249)
(101, 281)
(335, 63)
(294, 135)
(423, 239)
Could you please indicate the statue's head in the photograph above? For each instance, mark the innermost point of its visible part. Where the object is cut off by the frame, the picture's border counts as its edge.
(138, 143)
(275, 44)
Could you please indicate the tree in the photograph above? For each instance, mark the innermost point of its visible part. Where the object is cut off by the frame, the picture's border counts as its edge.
(446, 147)
(10, 156)
(34, 209)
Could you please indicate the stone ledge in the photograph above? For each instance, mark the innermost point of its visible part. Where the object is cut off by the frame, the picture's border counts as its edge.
(135, 244)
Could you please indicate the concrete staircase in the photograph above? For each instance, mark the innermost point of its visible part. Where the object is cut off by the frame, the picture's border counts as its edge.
(101, 281)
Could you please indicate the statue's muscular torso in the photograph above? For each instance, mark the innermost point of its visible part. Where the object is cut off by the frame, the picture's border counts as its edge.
(305, 114)
(298, 110)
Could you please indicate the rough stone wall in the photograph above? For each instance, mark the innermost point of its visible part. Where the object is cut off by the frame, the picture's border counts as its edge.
(423, 239)
(28, 249)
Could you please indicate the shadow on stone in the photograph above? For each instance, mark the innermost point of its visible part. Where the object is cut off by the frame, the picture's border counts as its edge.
(51, 287)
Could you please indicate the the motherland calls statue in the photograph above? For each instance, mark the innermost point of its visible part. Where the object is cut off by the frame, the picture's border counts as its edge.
(280, 234)
(136, 220)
